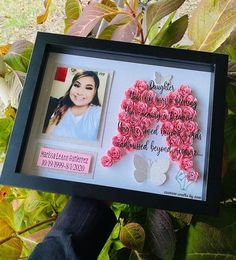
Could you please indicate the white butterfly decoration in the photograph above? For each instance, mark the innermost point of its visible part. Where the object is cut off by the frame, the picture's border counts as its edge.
(159, 79)
(154, 170)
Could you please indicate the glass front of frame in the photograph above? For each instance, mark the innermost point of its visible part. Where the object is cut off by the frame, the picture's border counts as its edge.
(128, 125)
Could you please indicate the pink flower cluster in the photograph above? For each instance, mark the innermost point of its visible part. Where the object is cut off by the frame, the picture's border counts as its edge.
(179, 127)
(139, 112)
(140, 108)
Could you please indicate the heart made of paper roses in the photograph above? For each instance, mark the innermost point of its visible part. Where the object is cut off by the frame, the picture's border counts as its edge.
(141, 108)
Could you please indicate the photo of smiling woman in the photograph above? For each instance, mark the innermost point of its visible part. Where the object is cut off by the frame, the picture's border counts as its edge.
(77, 114)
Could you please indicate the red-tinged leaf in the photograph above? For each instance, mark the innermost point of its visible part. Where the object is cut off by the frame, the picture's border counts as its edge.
(89, 18)
(106, 34)
(125, 33)
(33, 239)
(134, 5)
(44, 15)
(160, 234)
(18, 56)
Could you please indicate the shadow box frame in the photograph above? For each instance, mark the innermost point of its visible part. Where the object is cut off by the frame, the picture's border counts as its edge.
(47, 43)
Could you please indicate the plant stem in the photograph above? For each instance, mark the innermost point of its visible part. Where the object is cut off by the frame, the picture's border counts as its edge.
(131, 10)
(16, 233)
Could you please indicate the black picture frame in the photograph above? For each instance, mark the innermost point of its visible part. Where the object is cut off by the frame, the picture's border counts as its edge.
(47, 43)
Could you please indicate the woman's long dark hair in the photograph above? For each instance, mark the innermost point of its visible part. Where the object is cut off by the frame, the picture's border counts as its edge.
(65, 102)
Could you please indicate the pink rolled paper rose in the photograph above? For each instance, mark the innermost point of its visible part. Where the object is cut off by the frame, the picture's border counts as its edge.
(192, 175)
(137, 133)
(119, 141)
(134, 120)
(153, 113)
(186, 164)
(167, 128)
(123, 117)
(141, 108)
(186, 138)
(145, 122)
(133, 94)
(173, 141)
(124, 128)
(131, 143)
(128, 105)
(188, 113)
(149, 97)
(178, 125)
(174, 99)
(175, 153)
(175, 113)
(160, 103)
(106, 161)
(187, 151)
(191, 127)
(184, 90)
(164, 115)
(191, 101)
(141, 85)
(115, 153)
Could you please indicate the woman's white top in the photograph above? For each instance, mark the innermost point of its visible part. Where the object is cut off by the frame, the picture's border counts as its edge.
(83, 127)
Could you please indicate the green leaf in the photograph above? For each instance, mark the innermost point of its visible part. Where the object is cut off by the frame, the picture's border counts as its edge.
(34, 202)
(7, 213)
(153, 32)
(232, 73)
(104, 254)
(106, 34)
(18, 56)
(230, 136)
(12, 248)
(160, 234)
(229, 46)
(3, 68)
(132, 236)
(33, 239)
(229, 181)
(89, 18)
(182, 219)
(73, 11)
(135, 255)
(6, 125)
(163, 28)
(113, 6)
(156, 11)
(173, 33)
(60, 201)
(44, 15)
(231, 98)
(211, 24)
(213, 238)
(19, 217)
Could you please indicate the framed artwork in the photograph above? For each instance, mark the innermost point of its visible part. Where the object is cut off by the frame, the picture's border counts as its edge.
(122, 122)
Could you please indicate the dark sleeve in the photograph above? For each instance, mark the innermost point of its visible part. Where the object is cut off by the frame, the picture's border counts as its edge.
(80, 232)
(53, 102)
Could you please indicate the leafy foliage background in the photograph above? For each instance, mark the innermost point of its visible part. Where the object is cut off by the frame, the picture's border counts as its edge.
(140, 233)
